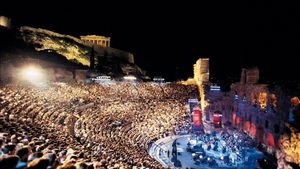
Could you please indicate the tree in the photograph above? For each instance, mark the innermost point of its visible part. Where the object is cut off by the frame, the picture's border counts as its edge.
(92, 59)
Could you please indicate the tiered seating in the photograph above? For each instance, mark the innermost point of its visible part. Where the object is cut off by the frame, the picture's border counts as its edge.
(112, 124)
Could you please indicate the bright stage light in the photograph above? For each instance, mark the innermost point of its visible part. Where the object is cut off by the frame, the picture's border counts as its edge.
(129, 78)
(32, 74)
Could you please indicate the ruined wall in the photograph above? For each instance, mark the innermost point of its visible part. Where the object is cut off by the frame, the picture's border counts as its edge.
(254, 109)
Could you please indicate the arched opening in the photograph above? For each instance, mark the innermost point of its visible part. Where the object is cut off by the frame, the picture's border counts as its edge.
(261, 134)
(217, 119)
(247, 126)
(271, 141)
(253, 130)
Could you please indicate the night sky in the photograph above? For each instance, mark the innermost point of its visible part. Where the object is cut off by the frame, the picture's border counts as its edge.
(168, 38)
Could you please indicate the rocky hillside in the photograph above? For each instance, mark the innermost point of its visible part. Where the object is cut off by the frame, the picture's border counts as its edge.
(66, 50)
(70, 47)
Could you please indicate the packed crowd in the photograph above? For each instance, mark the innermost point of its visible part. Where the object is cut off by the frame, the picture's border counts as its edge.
(88, 125)
(237, 141)
(231, 144)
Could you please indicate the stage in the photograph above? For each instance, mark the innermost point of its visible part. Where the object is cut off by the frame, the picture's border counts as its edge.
(215, 150)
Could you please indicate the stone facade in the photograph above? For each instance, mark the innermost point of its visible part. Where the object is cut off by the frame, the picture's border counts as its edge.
(256, 109)
(250, 75)
(201, 70)
(97, 40)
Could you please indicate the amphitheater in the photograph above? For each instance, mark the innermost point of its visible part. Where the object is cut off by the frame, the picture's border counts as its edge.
(89, 125)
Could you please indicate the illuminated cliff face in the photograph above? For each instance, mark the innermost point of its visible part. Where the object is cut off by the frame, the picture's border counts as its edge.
(68, 46)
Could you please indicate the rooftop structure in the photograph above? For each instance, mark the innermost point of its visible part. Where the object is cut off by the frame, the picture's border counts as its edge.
(98, 40)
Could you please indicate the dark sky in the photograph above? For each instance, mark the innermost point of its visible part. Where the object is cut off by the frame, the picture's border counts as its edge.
(167, 38)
